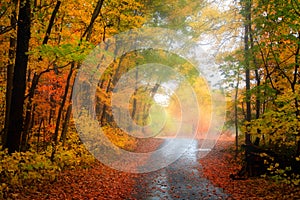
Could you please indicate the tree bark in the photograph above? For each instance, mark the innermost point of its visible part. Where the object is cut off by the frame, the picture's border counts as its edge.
(60, 111)
(65, 124)
(51, 22)
(257, 76)
(67, 119)
(28, 115)
(95, 14)
(134, 104)
(295, 82)
(10, 72)
(247, 65)
(236, 115)
(15, 126)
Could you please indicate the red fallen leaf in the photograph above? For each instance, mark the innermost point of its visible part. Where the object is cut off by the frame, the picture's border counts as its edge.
(189, 187)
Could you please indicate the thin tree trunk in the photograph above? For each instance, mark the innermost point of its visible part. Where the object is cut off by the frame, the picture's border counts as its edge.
(29, 111)
(87, 34)
(67, 118)
(65, 124)
(257, 76)
(103, 115)
(247, 65)
(60, 111)
(50, 25)
(62, 105)
(28, 114)
(51, 22)
(134, 104)
(117, 75)
(236, 116)
(95, 14)
(39, 135)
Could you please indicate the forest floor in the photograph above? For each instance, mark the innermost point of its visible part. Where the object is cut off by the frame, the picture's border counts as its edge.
(221, 162)
(92, 183)
(102, 182)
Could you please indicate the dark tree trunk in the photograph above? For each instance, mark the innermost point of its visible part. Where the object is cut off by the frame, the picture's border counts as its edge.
(134, 104)
(294, 83)
(108, 85)
(50, 25)
(28, 115)
(117, 74)
(236, 115)
(62, 105)
(257, 77)
(67, 119)
(103, 114)
(65, 124)
(247, 65)
(15, 126)
(51, 22)
(88, 32)
(10, 72)
(39, 135)
(60, 111)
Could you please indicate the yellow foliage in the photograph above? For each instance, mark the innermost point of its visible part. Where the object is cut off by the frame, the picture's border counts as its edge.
(119, 138)
(26, 169)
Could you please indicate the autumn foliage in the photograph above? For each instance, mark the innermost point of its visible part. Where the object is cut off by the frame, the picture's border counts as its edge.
(43, 45)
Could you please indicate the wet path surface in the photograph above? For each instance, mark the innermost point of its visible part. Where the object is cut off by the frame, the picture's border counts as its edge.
(180, 180)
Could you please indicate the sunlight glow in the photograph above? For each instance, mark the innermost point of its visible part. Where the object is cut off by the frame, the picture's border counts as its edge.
(162, 99)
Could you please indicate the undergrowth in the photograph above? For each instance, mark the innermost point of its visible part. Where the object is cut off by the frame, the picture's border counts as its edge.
(26, 170)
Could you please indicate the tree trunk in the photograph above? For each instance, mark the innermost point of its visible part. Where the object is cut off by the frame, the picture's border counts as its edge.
(103, 114)
(67, 119)
(10, 72)
(60, 111)
(247, 65)
(15, 126)
(257, 76)
(236, 116)
(39, 135)
(295, 82)
(28, 115)
(134, 104)
(96, 12)
(65, 124)
(51, 22)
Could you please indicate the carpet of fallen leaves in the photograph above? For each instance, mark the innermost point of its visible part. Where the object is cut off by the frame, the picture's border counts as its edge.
(220, 163)
(102, 182)
(95, 182)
